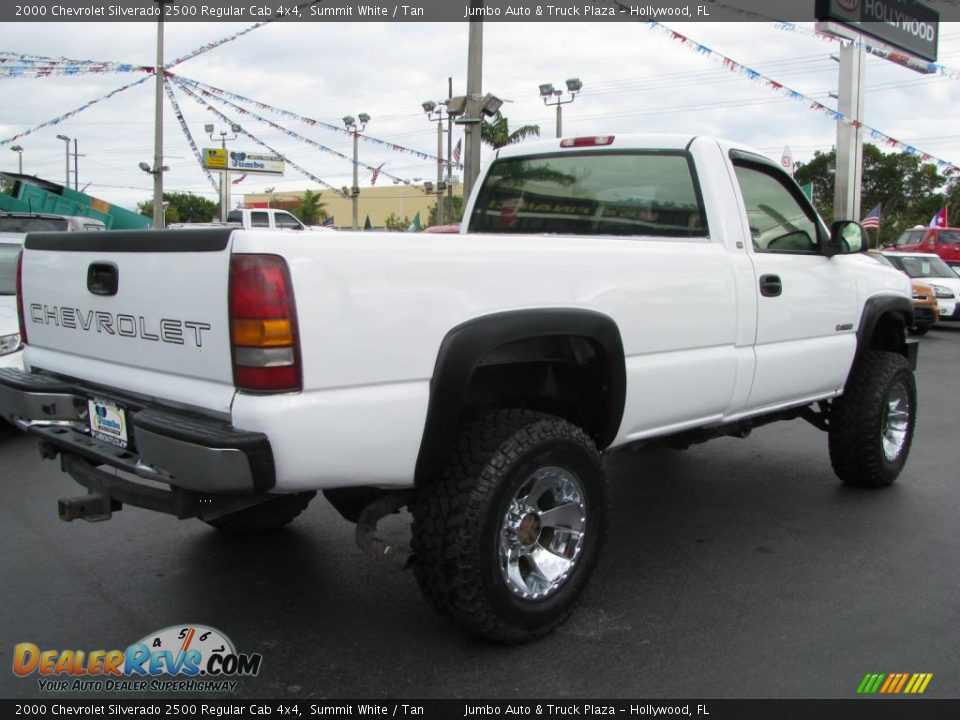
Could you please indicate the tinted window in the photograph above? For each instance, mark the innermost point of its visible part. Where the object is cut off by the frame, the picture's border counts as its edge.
(8, 269)
(259, 219)
(910, 237)
(921, 267)
(591, 193)
(949, 237)
(13, 224)
(235, 216)
(286, 220)
(778, 221)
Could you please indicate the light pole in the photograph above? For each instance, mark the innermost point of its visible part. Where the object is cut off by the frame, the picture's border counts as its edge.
(469, 111)
(224, 174)
(76, 171)
(355, 126)
(158, 166)
(435, 113)
(66, 142)
(19, 151)
(155, 172)
(547, 91)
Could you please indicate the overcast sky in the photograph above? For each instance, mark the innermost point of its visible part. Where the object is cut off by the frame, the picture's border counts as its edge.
(634, 80)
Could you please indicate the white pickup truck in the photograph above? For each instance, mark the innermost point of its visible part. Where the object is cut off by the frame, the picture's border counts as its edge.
(605, 292)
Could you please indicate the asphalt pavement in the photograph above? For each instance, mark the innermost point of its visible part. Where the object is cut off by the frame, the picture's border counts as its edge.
(734, 569)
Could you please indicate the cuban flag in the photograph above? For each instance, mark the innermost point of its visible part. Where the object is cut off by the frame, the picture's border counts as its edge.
(872, 220)
(940, 219)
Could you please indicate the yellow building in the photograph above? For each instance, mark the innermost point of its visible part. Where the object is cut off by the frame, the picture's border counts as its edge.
(378, 203)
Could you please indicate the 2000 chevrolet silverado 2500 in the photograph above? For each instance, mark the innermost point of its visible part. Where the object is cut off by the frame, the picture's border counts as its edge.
(475, 378)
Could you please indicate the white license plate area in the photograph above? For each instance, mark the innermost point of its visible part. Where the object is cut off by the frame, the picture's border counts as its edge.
(108, 422)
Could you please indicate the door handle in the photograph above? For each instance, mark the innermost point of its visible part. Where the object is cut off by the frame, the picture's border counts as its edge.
(770, 285)
(103, 278)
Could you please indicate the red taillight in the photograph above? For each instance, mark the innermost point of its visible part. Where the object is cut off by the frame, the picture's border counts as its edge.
(263, 325)
(587, 141)
(20, 315)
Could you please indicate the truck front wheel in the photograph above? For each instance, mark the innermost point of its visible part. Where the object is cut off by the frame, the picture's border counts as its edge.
(267, 516)
(872, 423)
(507, 538)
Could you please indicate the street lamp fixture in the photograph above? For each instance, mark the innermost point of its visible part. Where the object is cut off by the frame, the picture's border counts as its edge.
(19, 151)
(150, 171)
(355, 126)
(554, 96)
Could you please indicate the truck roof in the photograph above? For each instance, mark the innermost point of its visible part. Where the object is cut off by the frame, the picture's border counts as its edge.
(620, 141)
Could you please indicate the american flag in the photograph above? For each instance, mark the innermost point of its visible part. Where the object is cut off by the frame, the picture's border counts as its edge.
(456, 152)
(376, 174)
(872, 220)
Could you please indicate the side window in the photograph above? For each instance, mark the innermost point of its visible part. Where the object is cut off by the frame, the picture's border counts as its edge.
(908, 238)
(778, 222)
(285, 220)
(235, 216)
(259, 219)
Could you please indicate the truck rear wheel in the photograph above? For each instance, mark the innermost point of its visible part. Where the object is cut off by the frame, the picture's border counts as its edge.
(872, 423)
(507, 538)
(267, 516)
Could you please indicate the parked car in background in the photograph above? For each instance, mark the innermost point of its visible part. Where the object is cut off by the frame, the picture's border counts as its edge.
(450, 229)
(250, 219)
(20, 223)
(943, 242)
(931, 269)
(926, 309)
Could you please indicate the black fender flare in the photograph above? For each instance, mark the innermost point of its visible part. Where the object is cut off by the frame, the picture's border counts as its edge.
(465, 346)
(874, 309)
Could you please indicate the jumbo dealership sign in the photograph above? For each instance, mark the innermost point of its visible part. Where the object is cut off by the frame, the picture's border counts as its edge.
(906, 25)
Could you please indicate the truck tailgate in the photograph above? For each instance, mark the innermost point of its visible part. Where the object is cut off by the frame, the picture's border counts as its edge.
(143, 312)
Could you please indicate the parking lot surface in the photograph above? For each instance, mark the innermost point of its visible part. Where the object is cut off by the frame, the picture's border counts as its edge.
(737, 568)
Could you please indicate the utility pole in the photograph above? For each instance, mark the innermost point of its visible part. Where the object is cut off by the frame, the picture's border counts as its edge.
(355, 128)
(449, 148)
(158, 215)
(846, 198)
(76, 172)
(471, 150)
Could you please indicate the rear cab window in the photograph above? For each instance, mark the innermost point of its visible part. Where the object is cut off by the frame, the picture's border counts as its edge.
(8, 268)
(622, 193)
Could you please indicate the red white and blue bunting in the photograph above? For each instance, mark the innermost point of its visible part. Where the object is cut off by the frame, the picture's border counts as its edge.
(733, 66)
(285, 131)
(60, 118)
(186, 131)
(224, 118)
(309, 121)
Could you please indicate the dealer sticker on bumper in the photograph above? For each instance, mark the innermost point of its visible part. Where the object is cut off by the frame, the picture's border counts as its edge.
(108, 422)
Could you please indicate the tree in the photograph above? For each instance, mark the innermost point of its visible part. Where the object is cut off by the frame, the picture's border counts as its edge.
(184, 207)
(908, 190)
(496, 133)
(309, 209)
(448, 217)
(395, 223)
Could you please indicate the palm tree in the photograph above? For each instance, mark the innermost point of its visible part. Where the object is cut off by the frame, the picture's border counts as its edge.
(496, 133)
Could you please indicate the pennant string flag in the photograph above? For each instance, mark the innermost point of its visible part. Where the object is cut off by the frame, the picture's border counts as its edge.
(306, 120)
(291, 133)
(259, 142)
(60, 118)
(186, 131)
(230, 38)
(734, 66)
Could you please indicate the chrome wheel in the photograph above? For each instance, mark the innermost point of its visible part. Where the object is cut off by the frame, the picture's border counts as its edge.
(542, 533)
(896, 421)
